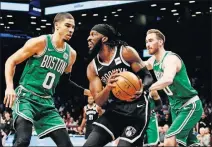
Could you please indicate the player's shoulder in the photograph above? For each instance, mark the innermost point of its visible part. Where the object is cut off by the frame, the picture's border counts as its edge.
(172, 59)
(73, 53)
(38, 39)
(127, 49)
(151, 60)
(128, 52)
(91, 65)
(71, 48)
(171, 56)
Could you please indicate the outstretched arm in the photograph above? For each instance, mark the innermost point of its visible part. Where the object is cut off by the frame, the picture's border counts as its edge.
(149, 63)
(156, 97)
(77, 88)
(34, 46)
(171, 65)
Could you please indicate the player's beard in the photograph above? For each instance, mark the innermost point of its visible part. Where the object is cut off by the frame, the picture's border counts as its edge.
(154, 51)
(90, 103)
(93, 52)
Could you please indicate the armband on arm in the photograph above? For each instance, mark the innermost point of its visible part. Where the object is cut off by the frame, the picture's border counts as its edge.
(146, 77)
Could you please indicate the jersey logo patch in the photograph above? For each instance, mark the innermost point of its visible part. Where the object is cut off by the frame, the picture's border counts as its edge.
(118, 61)
(65, 56)
(130, 131)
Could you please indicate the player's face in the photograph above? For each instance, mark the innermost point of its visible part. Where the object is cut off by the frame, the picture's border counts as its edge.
(202, 131)
(7, 115)
(68, 115)
(93, 39)
(65, 28)
(207, 130)
(153, 43)
(165, 128)
(90, 100)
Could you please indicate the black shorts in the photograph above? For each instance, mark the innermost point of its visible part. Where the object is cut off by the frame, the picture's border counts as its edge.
(88, 131)
(127, 127)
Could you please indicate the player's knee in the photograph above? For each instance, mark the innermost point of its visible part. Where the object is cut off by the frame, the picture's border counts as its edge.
(66, 143)
(169, 141)
(22, 142)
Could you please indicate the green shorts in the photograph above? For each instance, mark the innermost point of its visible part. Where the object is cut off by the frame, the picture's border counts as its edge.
(152, 133)
(40, 111)
(183, 122)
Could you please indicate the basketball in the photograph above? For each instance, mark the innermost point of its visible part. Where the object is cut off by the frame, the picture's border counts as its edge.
(126, 86)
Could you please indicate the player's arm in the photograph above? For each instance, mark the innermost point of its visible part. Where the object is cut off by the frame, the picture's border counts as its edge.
(81, 128)
(156, 97)
(99, 94)
(72, 59)
(197, 127)
(99, 110)
(34, 46)
(149, 63)
(131, 56)
(79, 89)
(171, 66)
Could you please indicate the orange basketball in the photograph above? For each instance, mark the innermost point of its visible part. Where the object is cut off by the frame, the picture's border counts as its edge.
(126, 86)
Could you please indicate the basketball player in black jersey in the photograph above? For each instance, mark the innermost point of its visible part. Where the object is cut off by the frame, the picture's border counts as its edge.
(91, 112)
(126, 120)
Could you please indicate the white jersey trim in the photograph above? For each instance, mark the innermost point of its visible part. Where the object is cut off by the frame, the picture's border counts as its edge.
(59, 51)
(105, 128)
(107, 64)
(146, 118)
(44, 51)
(157, 140)
(125, 62)
(69, 56)
(95, 67)
(184, 122)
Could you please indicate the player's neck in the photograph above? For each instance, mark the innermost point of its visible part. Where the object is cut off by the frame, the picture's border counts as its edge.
(90, 105)
(106, 53)
(57, 41)
(160, 54)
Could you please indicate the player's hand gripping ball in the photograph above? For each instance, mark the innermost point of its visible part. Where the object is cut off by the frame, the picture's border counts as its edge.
(126, 86)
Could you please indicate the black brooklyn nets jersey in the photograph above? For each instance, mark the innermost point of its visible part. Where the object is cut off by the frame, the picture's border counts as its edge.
(91, 114)
(104, 70)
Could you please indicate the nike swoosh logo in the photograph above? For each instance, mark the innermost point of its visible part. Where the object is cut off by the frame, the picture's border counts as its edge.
(100, 68)
(138, 106)
(50, 49)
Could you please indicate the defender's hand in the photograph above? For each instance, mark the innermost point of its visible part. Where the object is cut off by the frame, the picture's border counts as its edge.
(154, 94)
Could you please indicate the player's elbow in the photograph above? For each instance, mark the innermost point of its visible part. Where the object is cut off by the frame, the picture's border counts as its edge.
(9, 62)
(169, 81)
(99, 103)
